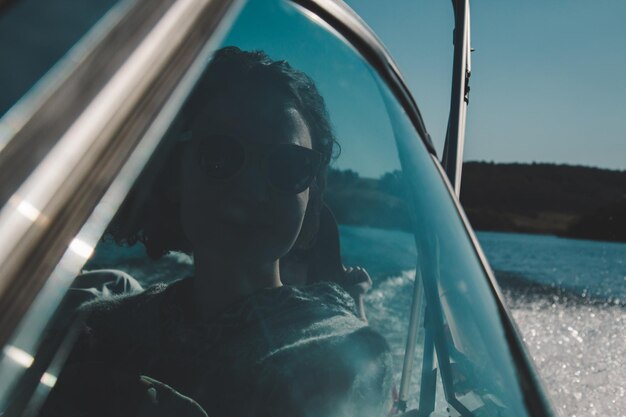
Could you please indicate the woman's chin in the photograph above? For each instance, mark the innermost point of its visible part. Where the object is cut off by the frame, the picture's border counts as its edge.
(261, 249)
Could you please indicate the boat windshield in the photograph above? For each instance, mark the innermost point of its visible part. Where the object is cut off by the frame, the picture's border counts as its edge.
(36, 41)
(266, 259)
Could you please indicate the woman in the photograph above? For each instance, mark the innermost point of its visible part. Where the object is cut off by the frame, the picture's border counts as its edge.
(231, 341)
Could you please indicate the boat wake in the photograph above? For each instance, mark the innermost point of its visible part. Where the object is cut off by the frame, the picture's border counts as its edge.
(564, 331)
(518, 288)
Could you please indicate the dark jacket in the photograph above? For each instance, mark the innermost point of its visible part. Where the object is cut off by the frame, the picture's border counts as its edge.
(280, 352)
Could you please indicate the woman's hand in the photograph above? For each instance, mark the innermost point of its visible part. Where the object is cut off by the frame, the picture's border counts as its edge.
(357, 282)
(161, 400)
(94, 389)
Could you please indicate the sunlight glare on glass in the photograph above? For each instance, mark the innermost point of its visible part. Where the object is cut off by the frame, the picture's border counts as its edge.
(26, 360)
(19, 356)
(81, 248)
(48, 380)
(28, 210)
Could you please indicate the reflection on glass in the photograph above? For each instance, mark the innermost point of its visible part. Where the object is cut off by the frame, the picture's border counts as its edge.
(265, 260)
(241, 189)
(461, 318)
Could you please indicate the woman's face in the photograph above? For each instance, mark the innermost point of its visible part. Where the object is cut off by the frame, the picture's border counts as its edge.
(243, 217)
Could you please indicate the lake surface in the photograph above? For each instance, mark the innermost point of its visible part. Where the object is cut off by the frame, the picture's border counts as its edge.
(567, 297)
(577, 338)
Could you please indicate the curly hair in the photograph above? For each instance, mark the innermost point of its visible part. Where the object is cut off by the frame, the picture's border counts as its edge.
(150, 217)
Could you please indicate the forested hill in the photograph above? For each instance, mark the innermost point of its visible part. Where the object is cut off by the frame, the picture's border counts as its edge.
(532, 198)
(546, 198)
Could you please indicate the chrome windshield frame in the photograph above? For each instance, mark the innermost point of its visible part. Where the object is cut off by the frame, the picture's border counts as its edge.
(47, 202)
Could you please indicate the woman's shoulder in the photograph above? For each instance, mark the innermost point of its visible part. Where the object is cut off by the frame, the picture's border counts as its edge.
(338, 362)
(103, 308)
(125, 318)
(323, 317)
(327, 293)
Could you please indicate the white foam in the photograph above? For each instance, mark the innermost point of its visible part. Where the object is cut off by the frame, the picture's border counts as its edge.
(580, 353)
(579, 349)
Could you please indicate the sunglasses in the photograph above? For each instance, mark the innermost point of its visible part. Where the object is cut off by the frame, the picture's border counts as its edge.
(287, 167)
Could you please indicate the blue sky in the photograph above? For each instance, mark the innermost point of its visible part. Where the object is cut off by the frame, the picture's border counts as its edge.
(352, 96)
(548, 82)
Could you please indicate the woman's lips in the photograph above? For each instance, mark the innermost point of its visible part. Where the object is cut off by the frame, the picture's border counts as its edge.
(241, 214)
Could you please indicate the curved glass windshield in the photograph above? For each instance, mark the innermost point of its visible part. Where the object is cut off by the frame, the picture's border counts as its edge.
(35, 35)
(269, 257)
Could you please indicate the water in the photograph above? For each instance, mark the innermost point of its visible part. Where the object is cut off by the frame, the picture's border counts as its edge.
(567, 296)
(573, 321)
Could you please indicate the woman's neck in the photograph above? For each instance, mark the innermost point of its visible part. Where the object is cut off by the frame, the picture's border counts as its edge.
(220, 282)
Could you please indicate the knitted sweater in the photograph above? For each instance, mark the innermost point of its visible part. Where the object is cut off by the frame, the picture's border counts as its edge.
(280, 352)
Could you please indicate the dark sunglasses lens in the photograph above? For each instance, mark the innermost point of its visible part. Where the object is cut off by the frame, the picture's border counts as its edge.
(221, 157)
(293, 168)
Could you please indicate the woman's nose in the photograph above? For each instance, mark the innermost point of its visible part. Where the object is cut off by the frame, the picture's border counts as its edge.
(251, 185)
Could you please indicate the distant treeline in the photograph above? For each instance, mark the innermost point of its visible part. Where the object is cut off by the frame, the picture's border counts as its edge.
(368, 202)
(564, 200)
